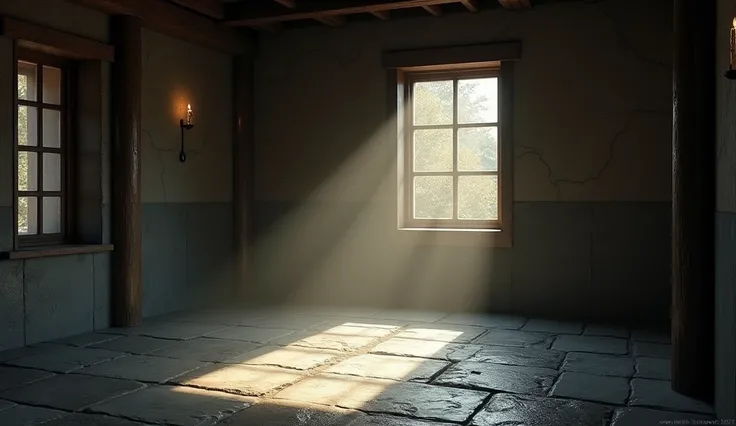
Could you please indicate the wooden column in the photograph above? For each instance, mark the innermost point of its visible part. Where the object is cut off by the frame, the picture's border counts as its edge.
(243, 170)
(693, 198)
(126, 171)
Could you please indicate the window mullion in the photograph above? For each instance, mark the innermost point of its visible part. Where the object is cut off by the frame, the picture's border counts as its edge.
(39, 143)
(455, 178)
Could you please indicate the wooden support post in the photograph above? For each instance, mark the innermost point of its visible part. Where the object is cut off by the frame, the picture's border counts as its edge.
(693, 200)
(126, 171)
(243, 170)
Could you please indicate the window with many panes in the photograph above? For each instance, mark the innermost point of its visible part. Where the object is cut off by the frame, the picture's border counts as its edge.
(41, 143)
(451, 153)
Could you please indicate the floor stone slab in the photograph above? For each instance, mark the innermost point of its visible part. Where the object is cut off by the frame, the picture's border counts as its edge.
(410, 315)
(659, 394)
(587, 387)
(138, 345)
(426, 349)
(652, 350)
(393, 421)
(599, 364)
(529, 357)
(606, 331)
(143, 368)
(168, 330)
(487, 321)
(23, 415)
(248, 380)
(11, 377)
(206, 349)
(389, 367)
(442, 332)
(289, 413)
(644, 417)
(650, 336)
(251, 334)
(16, 353)
(64, 359)
(326, 341)
(388, 397)
(497, 377)
(290, 322)
(593, 344)
(79, 419)
(175, 405)
(87, 339)
(521, 339)
(70, 392)
(4, 405)
(517, 410)
(364, 322)
(295, 357)
(553, 327)
(652, 368)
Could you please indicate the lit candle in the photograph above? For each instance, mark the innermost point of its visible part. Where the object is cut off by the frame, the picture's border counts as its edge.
(189, 114)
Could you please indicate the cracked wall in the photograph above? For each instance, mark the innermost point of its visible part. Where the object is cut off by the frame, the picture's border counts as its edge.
(187, 218)
(725, 308)
(591, 171)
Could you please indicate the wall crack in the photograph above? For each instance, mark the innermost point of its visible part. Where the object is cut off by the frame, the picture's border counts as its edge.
(556, 182)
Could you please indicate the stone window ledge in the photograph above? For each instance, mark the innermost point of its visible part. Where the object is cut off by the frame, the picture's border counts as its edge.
(65, 250)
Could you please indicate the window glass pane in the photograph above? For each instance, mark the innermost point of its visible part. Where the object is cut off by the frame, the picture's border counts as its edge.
(433, 197)
(27, 126)
(27, 82)
(477, 100)
(27, 215)
(51, 128)
(477, 197)
(27, 171)
(433, 150)
(51, 85)
(51, 215)
(51, 172)
(433, 102)
(477, 149)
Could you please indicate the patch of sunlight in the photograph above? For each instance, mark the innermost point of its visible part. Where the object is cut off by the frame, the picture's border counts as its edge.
(432, 334)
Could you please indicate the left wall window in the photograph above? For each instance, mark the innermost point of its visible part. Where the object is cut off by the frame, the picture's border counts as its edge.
(42, 150)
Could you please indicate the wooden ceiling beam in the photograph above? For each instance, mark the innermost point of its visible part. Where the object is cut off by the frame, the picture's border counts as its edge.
(434, 10)
(247, 15)
(166, 18)
(471, 5)
(211, 8)
(385, 15)
(291, 4)
(332, 21)
(515, 4)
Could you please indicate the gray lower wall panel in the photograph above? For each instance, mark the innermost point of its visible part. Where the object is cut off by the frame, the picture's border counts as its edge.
(11, 305)
(726, 315)
(59, 297)
(187, 255)
(597, 261)
(102, 290)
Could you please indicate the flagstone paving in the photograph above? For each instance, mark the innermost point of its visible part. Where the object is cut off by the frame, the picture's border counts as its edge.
(337, 367)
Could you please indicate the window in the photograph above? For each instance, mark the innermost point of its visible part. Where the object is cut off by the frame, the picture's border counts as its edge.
(41, 142)
(452, 172)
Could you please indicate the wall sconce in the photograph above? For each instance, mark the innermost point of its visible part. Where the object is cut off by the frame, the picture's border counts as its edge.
(186, 124)
(731, 73)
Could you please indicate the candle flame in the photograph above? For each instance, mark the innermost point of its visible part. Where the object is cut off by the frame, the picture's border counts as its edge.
(189, 107)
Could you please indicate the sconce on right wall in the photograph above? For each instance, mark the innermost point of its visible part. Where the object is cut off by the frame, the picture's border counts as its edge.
(731, 73)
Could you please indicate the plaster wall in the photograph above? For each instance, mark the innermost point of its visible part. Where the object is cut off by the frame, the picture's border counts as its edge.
(725, 308)
(592, 135)
(187, 210)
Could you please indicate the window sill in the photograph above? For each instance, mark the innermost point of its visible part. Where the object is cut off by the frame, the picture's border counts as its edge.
(66, 250)
(456, 237)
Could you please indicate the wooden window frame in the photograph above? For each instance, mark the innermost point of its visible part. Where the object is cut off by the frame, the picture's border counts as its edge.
(65, 107)
(455, 223)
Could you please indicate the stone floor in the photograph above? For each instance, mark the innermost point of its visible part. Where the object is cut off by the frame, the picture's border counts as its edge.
(332, 367)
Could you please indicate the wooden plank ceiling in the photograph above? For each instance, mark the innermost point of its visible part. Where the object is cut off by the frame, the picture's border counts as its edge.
(273, 14)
